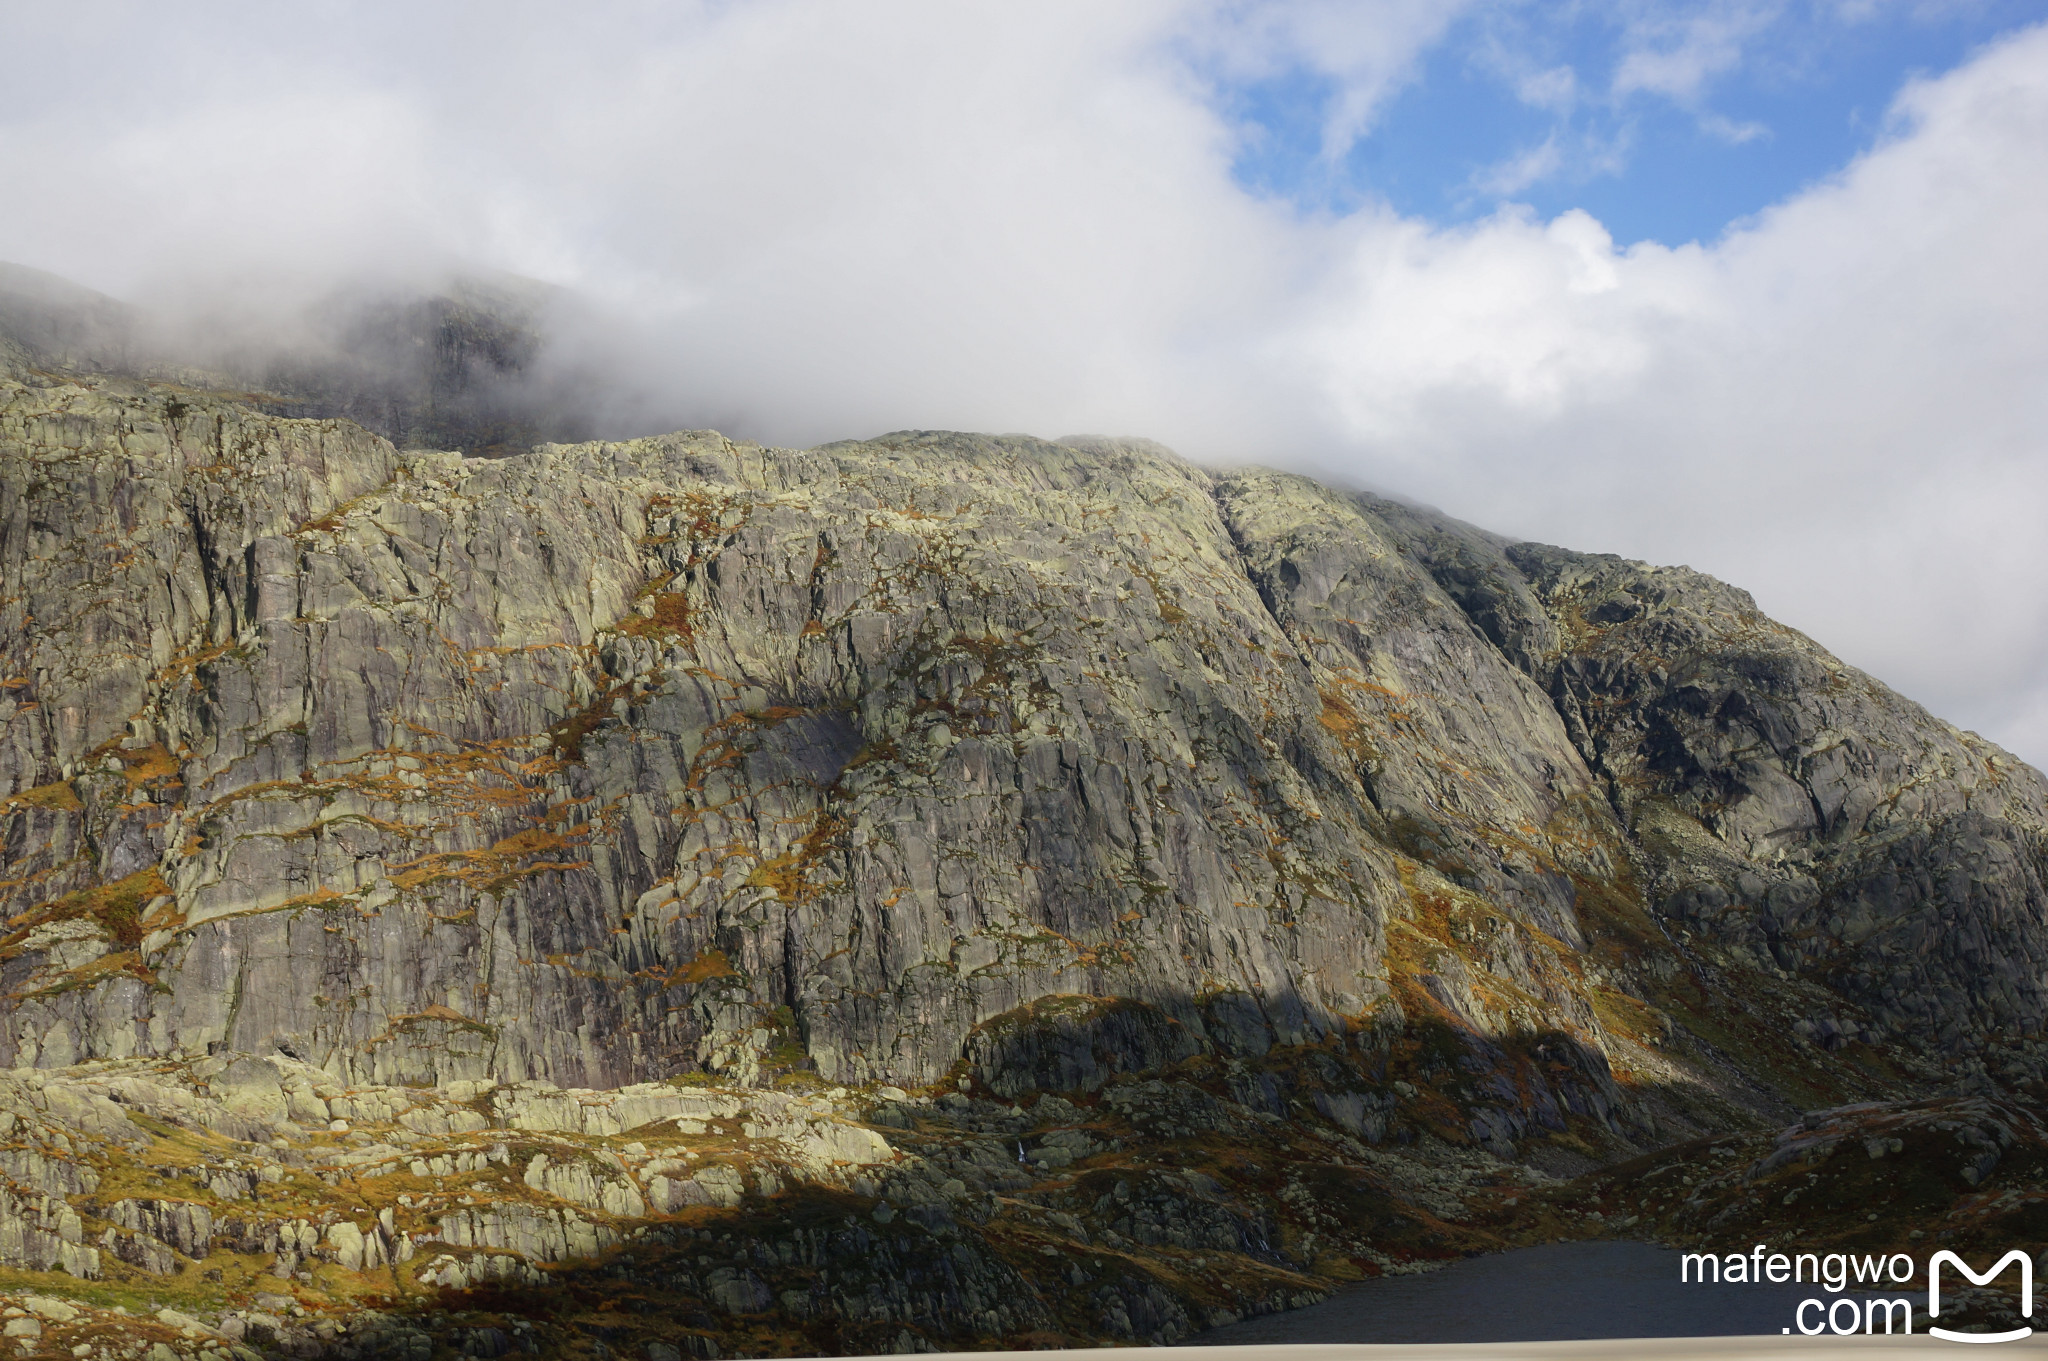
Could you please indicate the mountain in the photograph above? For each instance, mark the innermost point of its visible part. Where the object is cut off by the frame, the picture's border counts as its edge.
(930, 891)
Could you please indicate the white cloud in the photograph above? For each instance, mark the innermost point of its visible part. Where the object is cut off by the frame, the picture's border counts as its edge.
(1555, 88)
(1675, 52)
(1518, 172)
(1730, 131)
(826, 220)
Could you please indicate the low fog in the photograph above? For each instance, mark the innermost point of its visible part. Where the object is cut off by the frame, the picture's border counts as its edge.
(798, 222)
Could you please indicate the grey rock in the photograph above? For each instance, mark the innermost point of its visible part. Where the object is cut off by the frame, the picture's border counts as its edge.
(27, 1168)
(250, 1086)
(183, 1225)
(299, 557)
(43, 1233)
(534, 1233)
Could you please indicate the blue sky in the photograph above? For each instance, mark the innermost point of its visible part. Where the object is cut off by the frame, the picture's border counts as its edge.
(1665, 123)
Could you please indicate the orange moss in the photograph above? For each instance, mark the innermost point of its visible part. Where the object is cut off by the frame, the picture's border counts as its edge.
(565, 738)
(484, 871)
(185, 663)
(59, 797)
(124, 964)
(145, 765)
(788, 874)
(117, 907)
(671, 618)
(1170, 611)
(1341, 720)
(712, 964)
(535, 841)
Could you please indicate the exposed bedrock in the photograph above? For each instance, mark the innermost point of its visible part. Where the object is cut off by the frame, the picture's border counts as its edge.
(931, 756)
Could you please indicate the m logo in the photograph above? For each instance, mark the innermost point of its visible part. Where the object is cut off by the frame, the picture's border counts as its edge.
(2026, 1265)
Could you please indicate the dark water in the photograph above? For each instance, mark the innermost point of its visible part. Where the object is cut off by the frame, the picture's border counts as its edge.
(1556, 1292)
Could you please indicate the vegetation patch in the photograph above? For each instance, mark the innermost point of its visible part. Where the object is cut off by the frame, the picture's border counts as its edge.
(57, 798)
(437, 1013)
(117, 907)
(788, 875)
(669, 618)
(705, 968)
(566, 737)
(147, 765)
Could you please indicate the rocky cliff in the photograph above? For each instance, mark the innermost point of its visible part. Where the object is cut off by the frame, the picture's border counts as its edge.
(1355, 862)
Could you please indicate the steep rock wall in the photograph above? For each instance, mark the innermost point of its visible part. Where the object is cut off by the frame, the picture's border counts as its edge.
(608, 761)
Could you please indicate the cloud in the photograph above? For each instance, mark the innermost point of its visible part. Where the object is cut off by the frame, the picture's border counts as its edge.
(1519, 171)
(1728, 130)
(1676, 52)
(1554, 88)
(815, 221)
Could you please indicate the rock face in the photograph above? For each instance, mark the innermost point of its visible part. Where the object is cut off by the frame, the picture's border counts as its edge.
(1073, 812)
(763, 1221)
(1785, 805)
(608, 761)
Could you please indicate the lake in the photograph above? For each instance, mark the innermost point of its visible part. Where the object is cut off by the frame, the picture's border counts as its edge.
(1558, 1291)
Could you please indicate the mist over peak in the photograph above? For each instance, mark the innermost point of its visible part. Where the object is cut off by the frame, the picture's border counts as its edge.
(485, 363)
(66, 324)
